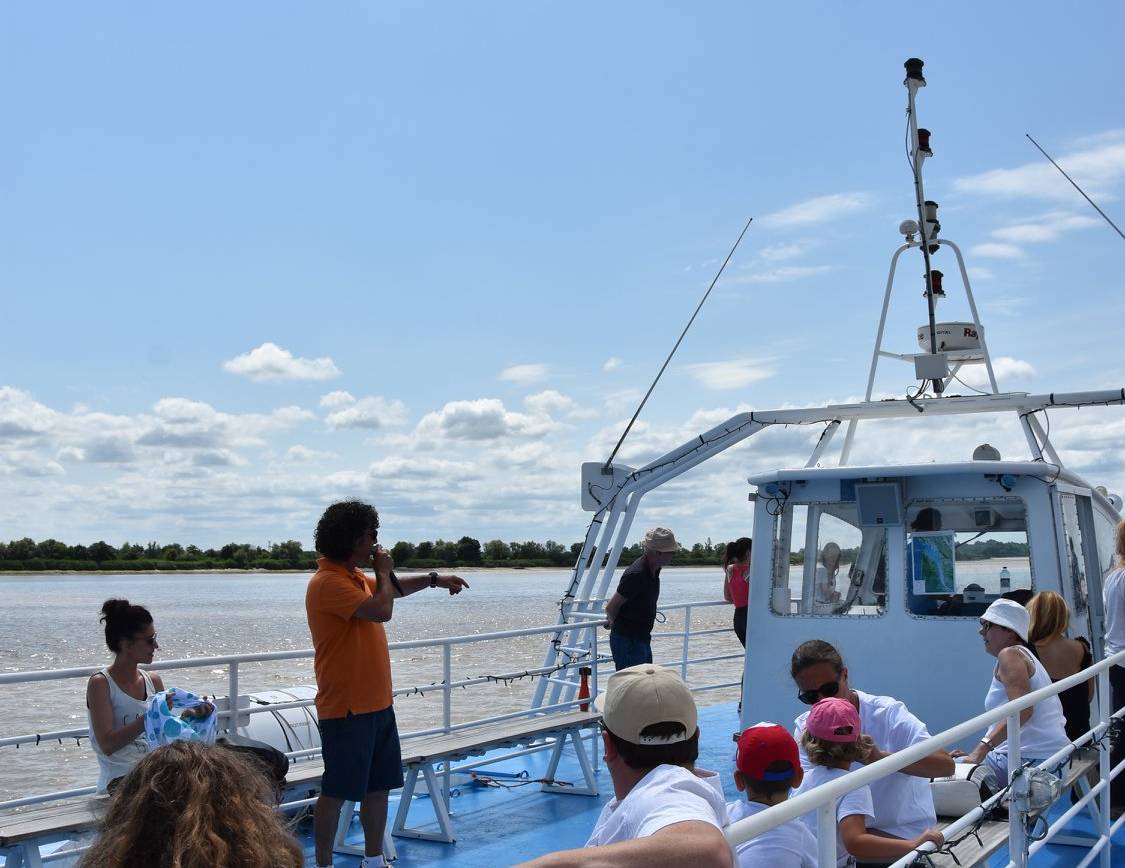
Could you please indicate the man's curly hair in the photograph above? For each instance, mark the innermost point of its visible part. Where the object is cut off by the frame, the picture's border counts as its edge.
(342, 525)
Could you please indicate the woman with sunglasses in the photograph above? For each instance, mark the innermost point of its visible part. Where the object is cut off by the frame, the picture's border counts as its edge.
(117, 696)
(1003, 627)
(903, 805)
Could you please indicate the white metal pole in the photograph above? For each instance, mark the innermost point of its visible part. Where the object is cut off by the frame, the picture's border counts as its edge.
(687, 642)
(826, 834)
(976, 316)
(1017, 843)
(1105, 709)
(232, 696)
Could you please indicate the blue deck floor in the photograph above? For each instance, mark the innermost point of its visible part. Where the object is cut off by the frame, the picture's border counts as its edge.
(499, 827)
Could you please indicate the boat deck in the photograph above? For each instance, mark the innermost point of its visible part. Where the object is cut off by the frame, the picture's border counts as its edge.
(498, 827)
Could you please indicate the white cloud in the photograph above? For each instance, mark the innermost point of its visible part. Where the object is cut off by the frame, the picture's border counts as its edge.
(781, 252)
(997, 251)
(980, 272)
(1005, 368)
(372, 412)
(1095, 169)
(334, 400)
(555, 404)
(22, 416)
(624, 399)
(271, 362)
(731, 374)
(818, 210)
(298, 454)
(783, 274)
(482, 419)
(1045, 227)
(611, 364)
(524, 373)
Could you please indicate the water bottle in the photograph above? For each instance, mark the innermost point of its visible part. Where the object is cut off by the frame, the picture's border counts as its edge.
(1005, 579)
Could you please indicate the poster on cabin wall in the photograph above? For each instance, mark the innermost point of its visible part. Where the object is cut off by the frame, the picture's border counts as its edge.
(933, 560)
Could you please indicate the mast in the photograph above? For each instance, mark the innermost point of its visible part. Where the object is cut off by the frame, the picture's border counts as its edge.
(927, 211)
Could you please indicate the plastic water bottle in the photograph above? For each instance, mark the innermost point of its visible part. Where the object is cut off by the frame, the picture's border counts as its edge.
(1005, 578)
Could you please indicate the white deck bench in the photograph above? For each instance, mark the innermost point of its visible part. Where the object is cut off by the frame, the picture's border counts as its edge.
(993, 834)
(22, 833)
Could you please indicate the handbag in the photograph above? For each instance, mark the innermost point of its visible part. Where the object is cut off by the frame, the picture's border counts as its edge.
(968, 786)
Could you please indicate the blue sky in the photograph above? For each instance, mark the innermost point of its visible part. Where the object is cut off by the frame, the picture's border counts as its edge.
(257, 259)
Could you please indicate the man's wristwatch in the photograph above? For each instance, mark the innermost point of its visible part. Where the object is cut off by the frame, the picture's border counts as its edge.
(433, 579)
(987, 743)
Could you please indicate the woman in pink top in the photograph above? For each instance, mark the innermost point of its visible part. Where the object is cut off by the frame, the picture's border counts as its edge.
(736, 584)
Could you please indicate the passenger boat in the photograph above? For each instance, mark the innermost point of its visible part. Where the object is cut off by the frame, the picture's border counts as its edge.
(904, 610)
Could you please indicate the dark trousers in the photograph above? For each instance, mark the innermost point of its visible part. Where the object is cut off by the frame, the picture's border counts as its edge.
(1117, 692)
(628, 651)
(740, 624)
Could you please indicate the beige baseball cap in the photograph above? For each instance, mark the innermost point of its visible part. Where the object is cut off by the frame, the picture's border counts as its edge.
(660, 539)
(640, 696)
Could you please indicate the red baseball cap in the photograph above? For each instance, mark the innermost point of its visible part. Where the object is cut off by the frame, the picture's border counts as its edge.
(833, 720)
(762, 745)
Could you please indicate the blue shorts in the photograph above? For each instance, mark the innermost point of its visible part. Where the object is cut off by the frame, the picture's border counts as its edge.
(361, 755)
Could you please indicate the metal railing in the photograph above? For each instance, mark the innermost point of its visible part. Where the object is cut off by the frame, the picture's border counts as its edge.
(585, 653)
(823, 799)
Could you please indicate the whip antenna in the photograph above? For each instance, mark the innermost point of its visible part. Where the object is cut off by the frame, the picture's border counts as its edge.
(1076, 187)
(699, 306)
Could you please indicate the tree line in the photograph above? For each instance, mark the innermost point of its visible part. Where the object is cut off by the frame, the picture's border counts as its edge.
(27, 555)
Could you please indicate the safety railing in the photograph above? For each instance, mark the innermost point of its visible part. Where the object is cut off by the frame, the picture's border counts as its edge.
(586, 653)
(822, 800)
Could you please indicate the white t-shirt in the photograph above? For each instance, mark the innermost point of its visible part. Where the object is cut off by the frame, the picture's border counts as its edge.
(790, 845)
(903, 804)
(1113, 595)
(666, 795)
(858, 801)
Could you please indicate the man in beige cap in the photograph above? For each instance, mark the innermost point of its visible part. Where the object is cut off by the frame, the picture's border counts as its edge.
(631, 611)
(664, 810)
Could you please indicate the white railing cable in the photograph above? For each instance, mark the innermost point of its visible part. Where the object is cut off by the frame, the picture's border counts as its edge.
(827, 794)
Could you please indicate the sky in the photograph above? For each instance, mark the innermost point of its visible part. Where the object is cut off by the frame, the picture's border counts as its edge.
(256, 258)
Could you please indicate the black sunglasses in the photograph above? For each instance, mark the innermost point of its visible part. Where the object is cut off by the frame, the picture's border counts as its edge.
(826, 690)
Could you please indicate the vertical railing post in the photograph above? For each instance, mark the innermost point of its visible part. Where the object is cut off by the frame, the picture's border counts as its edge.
(1105, 709)
(232, 696)
(687, 643)
(446, 713)
(826, 833)
(1017, 845)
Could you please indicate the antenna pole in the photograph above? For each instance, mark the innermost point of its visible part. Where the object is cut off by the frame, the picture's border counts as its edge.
(914, 80)
(1076, 187)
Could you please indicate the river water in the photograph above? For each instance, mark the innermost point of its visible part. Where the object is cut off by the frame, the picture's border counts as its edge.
(51, 622)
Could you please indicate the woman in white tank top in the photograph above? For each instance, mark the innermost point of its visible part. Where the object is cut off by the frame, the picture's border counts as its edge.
(1018, 672)
(117, 696)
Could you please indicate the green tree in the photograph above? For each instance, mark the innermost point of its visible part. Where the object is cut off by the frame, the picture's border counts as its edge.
(51, 549)
(289, 551)
(468, 550)
(425, 550)
(102, 551)
(402, 552)
(497, 550)
(172, 552)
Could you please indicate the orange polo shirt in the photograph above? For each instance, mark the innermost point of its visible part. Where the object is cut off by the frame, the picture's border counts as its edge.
(353, 665)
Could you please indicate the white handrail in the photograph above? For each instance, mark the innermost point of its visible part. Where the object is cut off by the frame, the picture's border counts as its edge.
(743, 830)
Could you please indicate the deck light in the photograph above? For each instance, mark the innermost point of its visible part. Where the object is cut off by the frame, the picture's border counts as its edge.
(935, 282)
(914, 71)
(924, 142)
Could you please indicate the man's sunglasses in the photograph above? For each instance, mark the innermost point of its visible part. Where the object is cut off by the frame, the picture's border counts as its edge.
(827, 689)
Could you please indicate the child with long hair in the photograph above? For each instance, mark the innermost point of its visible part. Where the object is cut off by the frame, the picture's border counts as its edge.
(833, 743)
(189, 805)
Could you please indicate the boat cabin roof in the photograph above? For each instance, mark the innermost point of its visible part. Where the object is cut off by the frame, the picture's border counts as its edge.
(895, 471)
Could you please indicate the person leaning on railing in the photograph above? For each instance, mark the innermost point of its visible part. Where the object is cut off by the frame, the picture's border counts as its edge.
(1113, 595)
(736, 581)
(903, 803)
(1018, 672)
(1062, 657)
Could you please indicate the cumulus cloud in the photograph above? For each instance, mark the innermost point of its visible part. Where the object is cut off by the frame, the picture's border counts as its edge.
(730, 374)
(611, 364)
(334, 400)
(555, 404)
(298, 454)
(1005, 367)
(372, 412)
(1045, 227)
(524, 373)
(271, 362)
(1095, 168)
(995, 250)
(482, 419)
(22, 416)
(818, 210)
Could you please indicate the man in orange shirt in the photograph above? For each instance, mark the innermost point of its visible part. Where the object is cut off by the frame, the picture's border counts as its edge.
(346, 611)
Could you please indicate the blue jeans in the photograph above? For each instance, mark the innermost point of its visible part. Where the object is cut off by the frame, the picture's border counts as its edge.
(628, 652)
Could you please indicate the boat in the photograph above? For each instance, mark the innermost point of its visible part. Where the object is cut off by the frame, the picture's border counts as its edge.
(906, 599)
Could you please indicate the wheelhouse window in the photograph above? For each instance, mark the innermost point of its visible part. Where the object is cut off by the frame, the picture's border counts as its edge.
(826, 564)
(963, 554)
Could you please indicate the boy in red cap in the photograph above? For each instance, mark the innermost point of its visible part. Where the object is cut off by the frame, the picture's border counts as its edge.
(832, 742)
(767, 765)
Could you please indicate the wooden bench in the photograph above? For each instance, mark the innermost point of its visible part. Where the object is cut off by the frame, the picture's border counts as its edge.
(21, 834)
(993, 834)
